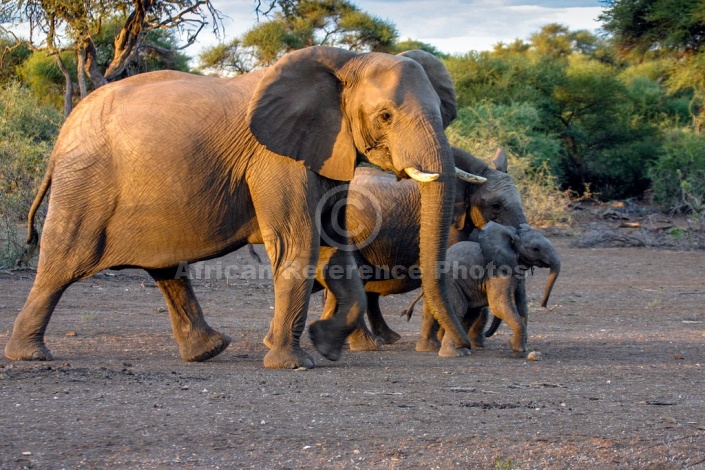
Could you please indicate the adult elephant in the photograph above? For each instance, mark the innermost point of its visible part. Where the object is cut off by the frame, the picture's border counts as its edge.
(387, 217)
(167, 168)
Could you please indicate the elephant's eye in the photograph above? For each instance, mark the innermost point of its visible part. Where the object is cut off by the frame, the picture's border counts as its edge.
(496, 206)
(385, 117)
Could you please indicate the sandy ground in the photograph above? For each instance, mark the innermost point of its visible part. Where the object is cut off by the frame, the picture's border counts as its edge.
(621, 383)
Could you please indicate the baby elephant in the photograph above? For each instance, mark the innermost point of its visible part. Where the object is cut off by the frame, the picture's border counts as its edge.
(492, 273)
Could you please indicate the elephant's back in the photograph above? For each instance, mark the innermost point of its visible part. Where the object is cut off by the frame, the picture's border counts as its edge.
(465, 253)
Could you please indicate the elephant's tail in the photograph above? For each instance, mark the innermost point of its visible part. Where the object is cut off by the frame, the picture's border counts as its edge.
(32, 235)
(410, 309)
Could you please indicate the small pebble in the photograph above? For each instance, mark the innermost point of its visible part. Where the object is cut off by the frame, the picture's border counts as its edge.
(534, 356)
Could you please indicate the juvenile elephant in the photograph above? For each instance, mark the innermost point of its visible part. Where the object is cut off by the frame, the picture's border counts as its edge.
(491, 273)
(386, 216)
(167, 168)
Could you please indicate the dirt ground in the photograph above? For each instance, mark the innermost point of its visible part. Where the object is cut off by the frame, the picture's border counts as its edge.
(621, 383)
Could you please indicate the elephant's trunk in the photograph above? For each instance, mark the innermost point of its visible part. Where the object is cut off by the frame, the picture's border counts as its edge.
(552, 276)
(436, 212)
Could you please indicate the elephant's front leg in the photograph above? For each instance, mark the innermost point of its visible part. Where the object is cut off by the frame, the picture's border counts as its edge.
(345, 304)
(521, 302)
(292, 274)
(501, 299)
(197, 341)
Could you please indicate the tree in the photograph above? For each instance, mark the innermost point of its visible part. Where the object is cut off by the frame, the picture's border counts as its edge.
(73, 25)
(641, 26)
(665, 28)
(12, 54)
(295, 24)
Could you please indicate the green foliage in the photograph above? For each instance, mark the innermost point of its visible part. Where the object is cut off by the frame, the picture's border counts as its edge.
(501, 463)
(606, 143)
(11, 56)
(41, 74)
(678, 176)
(641, 25)
(27, 132)
(606, 125)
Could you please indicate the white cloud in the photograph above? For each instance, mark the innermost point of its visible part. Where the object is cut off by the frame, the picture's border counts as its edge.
(453, 26)
(458, 26)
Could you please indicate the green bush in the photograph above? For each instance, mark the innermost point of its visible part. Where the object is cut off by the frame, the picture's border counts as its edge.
(678, 176)
(27, 132)
(484, 128)
(42, 75)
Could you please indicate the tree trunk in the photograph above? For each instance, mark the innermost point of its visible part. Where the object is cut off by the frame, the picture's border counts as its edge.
(128, 39)
(80, 72)
(68, 94)
(91, 66)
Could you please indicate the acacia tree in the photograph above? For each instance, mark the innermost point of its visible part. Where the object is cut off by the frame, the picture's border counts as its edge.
(294, 24)
(73, 24)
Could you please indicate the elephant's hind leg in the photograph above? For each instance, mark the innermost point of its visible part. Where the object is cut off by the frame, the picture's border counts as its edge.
(60, 264)
(361, 339)
(429, 331)
(377, 323)
(474, 322)
(27, 340)
(339, 274)
(197, 341)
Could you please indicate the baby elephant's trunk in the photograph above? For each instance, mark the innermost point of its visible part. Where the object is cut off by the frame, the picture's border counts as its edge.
(552, 276)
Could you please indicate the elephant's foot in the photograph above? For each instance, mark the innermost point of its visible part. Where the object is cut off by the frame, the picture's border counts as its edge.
(288, 358)
(203, 345)
(477, 341)
(268, 339)
(389, 336)
(361, 340)
(27, 350)
(428, 345)
(448, 349)
(518, 347)
(327, 338)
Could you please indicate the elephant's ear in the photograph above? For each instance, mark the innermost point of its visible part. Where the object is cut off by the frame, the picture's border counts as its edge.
(500, 160)
(499, 244)
(460, 213)
(296, 111)
(441, 81)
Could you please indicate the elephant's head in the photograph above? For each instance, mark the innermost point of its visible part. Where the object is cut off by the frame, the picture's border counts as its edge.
(331, 109)
(497, 199)
(536, 250)
(499, 245)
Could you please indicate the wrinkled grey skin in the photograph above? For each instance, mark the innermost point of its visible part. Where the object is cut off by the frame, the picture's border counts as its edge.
(396, 242)
(166, 168)
(506, 254)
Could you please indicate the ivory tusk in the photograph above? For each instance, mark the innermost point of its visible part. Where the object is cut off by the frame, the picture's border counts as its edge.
(469, 177)
(420, 176)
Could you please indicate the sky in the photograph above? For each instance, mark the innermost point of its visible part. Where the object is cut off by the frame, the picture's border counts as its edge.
(452, 26)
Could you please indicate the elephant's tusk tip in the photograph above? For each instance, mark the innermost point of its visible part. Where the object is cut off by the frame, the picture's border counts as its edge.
(469, 177)
(420, 176)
